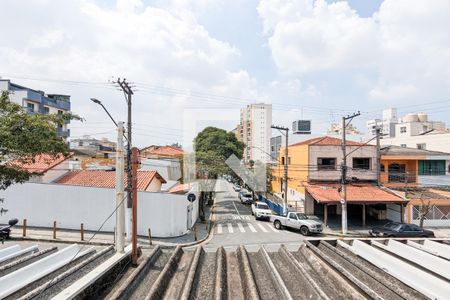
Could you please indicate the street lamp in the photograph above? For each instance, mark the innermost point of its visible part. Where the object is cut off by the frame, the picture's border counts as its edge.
(96, 101)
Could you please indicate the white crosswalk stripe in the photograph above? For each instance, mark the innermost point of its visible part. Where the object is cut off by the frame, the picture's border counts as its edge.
(219, 228)
(230, 228)
(251, 227)
(262, 227)
(273, 228)
(241, 228)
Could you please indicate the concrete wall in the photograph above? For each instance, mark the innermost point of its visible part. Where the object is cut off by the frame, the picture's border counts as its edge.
(434, 142)
(316, 152)
(41, 204)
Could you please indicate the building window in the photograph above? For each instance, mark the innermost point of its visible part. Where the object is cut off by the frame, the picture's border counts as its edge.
(422, 146)
(46, 110)
(30, 107)
(403, 129)
(282, 160)
(431, 167)
(362, 163)
(289, 160)
(403, 145)
(381, 168)
(60, 112)
(326, 163)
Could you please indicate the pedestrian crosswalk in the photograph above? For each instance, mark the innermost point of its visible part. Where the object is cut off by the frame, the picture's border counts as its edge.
(239, 227)
(242, 217)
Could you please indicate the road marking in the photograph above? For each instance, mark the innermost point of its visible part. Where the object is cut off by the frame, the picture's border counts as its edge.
(236, 209)
(219, 228)
(262, 227)
(230, 228)
(251, 227)
(241, 228)
(273, 228)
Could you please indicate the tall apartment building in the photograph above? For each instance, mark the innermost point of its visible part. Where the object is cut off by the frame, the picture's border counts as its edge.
(38, 102)
(255, 131)
(387, 123)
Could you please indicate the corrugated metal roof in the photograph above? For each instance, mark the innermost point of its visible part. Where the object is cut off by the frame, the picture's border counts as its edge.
(320, 269)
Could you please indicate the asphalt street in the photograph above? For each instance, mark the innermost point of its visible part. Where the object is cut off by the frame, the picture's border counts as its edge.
(235, 225)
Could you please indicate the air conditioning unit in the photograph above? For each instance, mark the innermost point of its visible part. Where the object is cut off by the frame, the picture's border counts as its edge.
(301, 127)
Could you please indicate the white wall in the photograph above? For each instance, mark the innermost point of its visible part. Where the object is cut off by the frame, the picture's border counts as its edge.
(41, 204)
(433, 142)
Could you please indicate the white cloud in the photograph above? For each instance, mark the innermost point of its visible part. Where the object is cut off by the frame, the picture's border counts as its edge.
(81, 40)
(405, 44)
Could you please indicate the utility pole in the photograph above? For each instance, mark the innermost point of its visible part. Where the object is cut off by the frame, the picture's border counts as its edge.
(344, 171)
(120, 205)
(135, 162)
(286, 155)
(125, 87)
(378, 133)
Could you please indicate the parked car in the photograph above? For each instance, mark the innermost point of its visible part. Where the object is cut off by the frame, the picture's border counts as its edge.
(261, 210)
(236, 188)
(298, 221)
(394, 229)
(246, 197)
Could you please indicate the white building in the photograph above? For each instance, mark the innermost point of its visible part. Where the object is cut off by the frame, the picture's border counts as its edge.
(255, 131)
(434, 140)
(387, 123)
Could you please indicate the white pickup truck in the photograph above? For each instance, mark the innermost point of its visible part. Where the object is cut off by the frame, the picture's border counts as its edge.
(298, 221)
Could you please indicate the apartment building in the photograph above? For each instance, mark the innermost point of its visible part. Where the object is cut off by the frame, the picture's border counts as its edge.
(386, 124)
(255, 131)
(38, 102)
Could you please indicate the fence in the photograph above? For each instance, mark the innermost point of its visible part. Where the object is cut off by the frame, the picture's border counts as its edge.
(276, 207)
(165, 214)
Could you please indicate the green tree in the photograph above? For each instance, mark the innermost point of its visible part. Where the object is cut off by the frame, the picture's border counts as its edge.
(23, 136)
(212, 148)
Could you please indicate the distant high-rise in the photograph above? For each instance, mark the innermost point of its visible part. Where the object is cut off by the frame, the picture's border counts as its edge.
(255, 131)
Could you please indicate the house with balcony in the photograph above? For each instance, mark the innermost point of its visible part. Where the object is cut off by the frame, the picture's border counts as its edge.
(401, 166)
(314, 175)
(38, 102)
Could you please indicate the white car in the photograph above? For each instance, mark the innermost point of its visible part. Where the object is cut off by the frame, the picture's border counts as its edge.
(261, 210)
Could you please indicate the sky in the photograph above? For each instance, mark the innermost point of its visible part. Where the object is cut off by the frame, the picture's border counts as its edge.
(317, 60)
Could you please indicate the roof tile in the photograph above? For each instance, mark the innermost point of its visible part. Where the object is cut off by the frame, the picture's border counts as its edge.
(327, 193)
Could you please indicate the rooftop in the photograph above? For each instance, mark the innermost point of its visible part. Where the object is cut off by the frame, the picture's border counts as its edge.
(327, 141)
(40, 163)
(162, 150)
(330, 193)
(107, 179)
(401, 151)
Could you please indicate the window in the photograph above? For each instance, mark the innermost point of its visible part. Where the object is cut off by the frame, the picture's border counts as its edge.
(403, 129)
(30, 107)
(431, 167)
(289, 160)
(362, 163)
(60, 112)
(326, 163)
(381, 168)
(422, 146)
(80, 143)
(403, 145)
(293, 216)
(46, 110)
(282, 160)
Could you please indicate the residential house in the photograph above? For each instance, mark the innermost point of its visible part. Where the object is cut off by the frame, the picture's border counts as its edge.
(402, 166)
(149, 181)
(314, 175)
(161, 152)
(38, 102)
(47, 168)
(169, 169)
(93, 147)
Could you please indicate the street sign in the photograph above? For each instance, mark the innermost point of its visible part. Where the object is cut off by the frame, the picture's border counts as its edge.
(191, 197)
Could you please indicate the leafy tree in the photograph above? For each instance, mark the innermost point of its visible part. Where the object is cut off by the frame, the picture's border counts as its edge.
(24, 136)
(212, 148)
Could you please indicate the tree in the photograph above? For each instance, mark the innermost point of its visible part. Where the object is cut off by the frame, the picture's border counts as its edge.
(424, 209)
(212, 148)
(24, 136)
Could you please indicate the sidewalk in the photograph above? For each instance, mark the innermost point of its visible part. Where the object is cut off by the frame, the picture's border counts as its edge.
(438, 232)
(104, 238)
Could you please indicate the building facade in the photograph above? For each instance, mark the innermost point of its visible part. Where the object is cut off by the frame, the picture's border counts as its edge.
(255, 131)
(386, 124)
(38, 102)
(96, 148)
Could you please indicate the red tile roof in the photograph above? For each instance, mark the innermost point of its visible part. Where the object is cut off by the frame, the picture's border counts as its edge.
(40, 163)
(181, 188)
(163, 150)
(327, 141)
(100, 178)
(329, 193)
